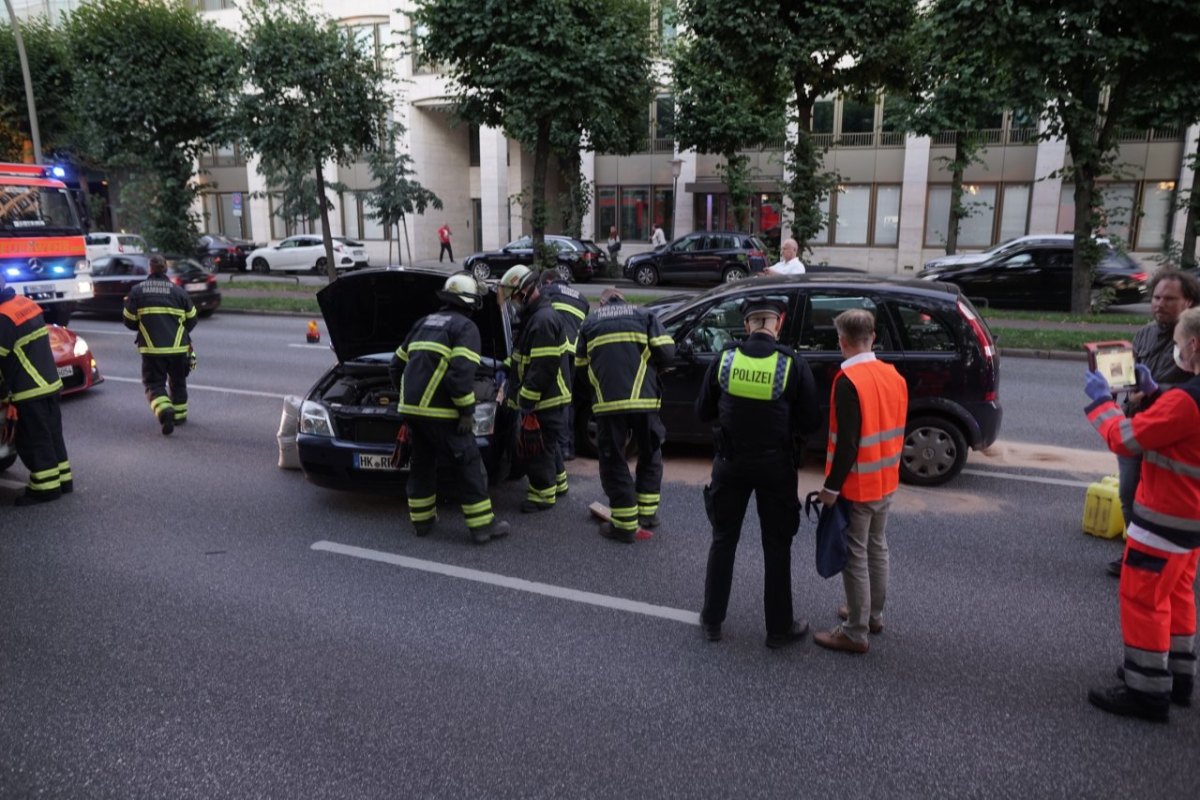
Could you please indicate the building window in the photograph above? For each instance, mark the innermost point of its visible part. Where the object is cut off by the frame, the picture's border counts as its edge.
(666, 22)
(219, 216)
(282, 228)
(357, 222)
(662, 125)
(1014, 211)
(223, 155)
(851, 214)
(371, 37)
(213, 5)
(664, 209)
(1114, 202)
(631, 210)
(419, 65)
(822, 118)
(886, 232)
(1156, 215)
(974, 230)
(635, 213)
(606, 210)
(473, 144)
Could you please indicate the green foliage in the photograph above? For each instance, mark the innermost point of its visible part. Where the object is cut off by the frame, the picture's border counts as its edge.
(49, 56)
(152, 87)
(551, 73)
(311, 96)
(396, 195)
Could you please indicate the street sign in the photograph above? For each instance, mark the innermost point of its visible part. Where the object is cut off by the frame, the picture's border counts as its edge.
(237, 204)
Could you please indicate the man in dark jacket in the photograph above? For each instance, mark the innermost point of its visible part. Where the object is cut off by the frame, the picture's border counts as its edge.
(28, 375)
(572, 308)
(434, 371)
(539, 391)
(163, 315)
(762, 396)
(623, 347)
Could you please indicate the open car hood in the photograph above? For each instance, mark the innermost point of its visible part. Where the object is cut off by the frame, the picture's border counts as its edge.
(372, 310)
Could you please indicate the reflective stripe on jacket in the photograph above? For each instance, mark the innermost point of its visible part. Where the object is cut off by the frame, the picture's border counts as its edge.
(883, 404)
(541, 359)
(572, 308)
(26, 359)
(1167, 437)
(623, 347)
(434, 369)
(162, 314)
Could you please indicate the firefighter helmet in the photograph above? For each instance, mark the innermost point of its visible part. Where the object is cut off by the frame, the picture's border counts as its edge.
(461, 291)
(516, 280)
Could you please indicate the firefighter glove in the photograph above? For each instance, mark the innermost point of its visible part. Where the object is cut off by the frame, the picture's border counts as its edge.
(466, 422)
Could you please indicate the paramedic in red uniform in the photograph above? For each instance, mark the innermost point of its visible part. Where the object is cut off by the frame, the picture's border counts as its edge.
(1158, 603)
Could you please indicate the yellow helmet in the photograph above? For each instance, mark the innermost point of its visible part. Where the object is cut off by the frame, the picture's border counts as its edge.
(461, 290)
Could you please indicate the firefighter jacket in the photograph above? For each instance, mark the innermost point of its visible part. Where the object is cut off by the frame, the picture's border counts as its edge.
(541, 358)
(26, 360)
(763, 397)
(867, 414)
(1166, 509)
(434, 369)
(162, 314)
(623, 347)
(572, 308)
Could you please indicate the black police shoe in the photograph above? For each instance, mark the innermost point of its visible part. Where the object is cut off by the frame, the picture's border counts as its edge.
(609, 532)
(1126, 702)
(493, 530)
(793, 635)
(1182, 687)
(167, 420)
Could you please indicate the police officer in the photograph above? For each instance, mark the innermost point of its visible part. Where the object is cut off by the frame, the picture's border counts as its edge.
(30, 377)
(762, 396)
(540, 391)
(163, 315)
(623, 347)
(573, 308)
(434, 371)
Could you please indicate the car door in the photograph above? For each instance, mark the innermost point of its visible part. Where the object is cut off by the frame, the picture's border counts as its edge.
(1003, 282)
(676, 260)
(1055, 290)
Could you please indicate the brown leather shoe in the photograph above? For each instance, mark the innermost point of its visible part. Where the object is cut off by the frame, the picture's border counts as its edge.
(874, 625)
(837, 640)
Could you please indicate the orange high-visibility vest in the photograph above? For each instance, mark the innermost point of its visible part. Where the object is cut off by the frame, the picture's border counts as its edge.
(883, 404)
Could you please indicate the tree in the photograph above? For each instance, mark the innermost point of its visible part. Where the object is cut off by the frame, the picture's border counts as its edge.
(152, 85)
(396, 194)
(531, 66)
(50, 71)
(311, 96)
(1093, 67)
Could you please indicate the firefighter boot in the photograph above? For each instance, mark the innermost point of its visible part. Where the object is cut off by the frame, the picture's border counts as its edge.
(1181, 687)
(1127, 702)
(496, 529)
(166, 418)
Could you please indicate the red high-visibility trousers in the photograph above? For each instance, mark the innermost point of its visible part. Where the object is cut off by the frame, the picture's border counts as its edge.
(1158, 616)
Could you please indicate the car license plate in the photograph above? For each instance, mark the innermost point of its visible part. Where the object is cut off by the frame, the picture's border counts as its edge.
(359, 253)
(66, 372)
(197, 287)
(39, 291)
(372, 461)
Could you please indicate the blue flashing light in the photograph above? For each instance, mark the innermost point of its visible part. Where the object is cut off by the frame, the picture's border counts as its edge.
(14, 271)
(59, 270)
(58, 171)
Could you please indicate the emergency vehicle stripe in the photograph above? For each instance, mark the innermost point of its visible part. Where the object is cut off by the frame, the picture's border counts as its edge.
(1125, 428)
(1166, 520)
(1174, 465)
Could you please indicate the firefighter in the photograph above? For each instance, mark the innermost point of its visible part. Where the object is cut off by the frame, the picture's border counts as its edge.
(762, 397)
(539, 391)
(434, 372)
(1157, 599)
(623, 347)
(163, 316)
(573, 308)
(30, 377)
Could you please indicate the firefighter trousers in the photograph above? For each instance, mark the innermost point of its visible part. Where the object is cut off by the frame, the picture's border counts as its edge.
(40, 446)
(437, 445)
(771, 478)
(547, 472)
(1158, 618)
(628, 498)
(165, 379)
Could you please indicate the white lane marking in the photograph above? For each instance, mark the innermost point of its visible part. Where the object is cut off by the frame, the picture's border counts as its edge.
(1027, 478)
(105, 331)
(324, 347)
(203, 388)
(7, 484)
(519, 584)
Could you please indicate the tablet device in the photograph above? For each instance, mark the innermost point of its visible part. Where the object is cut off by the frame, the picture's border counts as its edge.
(1113, 360)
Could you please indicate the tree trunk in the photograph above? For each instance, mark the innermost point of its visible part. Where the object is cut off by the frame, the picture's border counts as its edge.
(330, 265)
(407, 243)
(957, 212)
(1085, 248)
(541, 158)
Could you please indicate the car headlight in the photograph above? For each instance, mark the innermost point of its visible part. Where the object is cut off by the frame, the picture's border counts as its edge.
(314, 419)
(81, 346)
(485, 418)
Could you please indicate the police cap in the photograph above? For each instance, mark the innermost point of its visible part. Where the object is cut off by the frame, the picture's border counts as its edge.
(763, 304)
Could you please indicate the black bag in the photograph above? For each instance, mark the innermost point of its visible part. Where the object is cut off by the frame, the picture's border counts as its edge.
(832, 522)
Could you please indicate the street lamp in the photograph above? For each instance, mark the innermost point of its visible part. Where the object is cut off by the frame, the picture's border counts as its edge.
(676, 168)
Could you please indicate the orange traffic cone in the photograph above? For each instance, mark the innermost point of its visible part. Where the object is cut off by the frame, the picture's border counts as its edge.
(313, 335)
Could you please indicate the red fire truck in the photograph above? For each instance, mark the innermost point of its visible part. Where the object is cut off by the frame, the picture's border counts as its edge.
(42, 250)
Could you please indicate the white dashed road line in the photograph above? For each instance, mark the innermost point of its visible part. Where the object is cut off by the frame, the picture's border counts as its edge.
(1027, 478)
(519, 584)
(200, 386)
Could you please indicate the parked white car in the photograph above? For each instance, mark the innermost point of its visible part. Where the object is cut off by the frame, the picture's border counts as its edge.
(107, 243)
(306, 252)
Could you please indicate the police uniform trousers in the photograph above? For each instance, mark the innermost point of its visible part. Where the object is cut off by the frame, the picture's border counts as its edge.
(771, 477)
(629, 499)
(547, 471)
(437, 443)
(40, 446)
(165, 379)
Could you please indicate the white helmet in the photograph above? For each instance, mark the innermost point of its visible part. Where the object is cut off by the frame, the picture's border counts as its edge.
(516, 279)
(462, 291)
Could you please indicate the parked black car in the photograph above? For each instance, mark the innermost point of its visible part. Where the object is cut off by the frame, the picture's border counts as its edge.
(575, 261)
(219, 252)
(704, 256)
(348, 419)
(114, 276)
(1037, 274)
(929, 331)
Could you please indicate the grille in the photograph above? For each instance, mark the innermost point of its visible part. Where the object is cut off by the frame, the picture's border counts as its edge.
(368, 430)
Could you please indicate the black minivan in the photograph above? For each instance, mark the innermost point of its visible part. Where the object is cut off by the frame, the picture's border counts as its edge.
(927, 330)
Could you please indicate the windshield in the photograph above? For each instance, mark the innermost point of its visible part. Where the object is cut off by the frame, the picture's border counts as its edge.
(33, 209)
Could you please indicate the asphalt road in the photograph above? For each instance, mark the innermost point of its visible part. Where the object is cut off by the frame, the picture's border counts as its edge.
(195, 622)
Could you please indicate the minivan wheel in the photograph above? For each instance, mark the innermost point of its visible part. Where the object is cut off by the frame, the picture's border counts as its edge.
(935, 451)
(645, 275)
(481, 271)
(733, 274)
(260, 265)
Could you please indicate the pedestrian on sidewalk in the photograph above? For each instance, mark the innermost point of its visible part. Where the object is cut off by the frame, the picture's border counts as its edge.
(444, 238)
